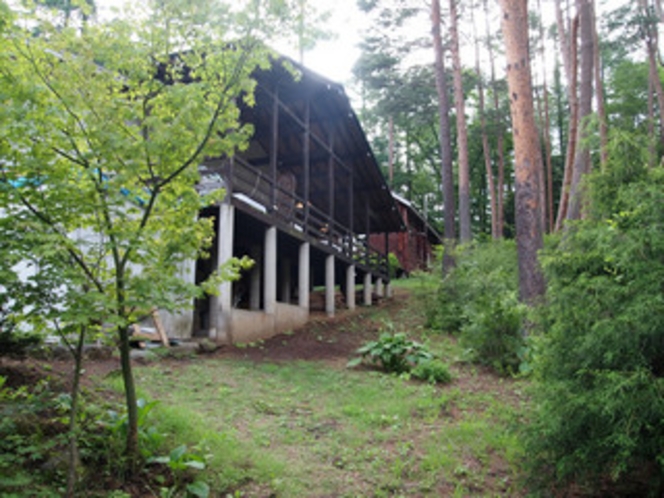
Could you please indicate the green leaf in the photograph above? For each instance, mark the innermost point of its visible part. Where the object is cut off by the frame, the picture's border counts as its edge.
(354, 362)
(199, 489)
(177, 453)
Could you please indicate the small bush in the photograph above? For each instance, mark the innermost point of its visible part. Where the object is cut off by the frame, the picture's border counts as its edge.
(478, 301)
(432, 371)
(393, 352)
(494, 335)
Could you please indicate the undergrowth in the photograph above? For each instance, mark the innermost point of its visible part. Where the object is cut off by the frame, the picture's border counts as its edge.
(478, 302)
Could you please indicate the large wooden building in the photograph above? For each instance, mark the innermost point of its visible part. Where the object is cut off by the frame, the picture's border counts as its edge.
(302, 201)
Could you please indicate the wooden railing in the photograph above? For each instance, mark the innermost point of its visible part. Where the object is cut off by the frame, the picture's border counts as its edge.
(286, 208)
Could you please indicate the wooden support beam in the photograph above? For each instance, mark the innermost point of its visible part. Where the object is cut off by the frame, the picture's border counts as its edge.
(306, 160)
(330, 183)
(351, 215)
(274, 149)
(293, 115)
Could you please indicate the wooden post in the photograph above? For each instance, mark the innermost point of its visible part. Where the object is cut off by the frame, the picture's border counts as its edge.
(160, 327)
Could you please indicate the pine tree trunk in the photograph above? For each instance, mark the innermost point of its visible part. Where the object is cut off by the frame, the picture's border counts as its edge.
(599, 95)
(651, 125)
(571, 131)
(549, 218)
(447, 174)
(486, 150)
(465, 232)
(650, 39)
(500, 142)
(582, 153)
(527, 151)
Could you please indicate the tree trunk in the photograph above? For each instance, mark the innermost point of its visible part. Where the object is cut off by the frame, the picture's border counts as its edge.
(599, 94)
(445, 139)
(527, 151)
(650, 38)
(571, 131)
(651, 125)
(582, 153)
(486, 150)
(72, 471)
(131, 447)
(549, 218)
(465, 232)
(567, 39)
(500, 142)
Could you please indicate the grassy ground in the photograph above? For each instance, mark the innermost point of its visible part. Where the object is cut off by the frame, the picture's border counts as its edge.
(286, 418)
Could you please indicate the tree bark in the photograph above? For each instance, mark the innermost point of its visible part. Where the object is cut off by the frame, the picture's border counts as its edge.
(571, 132)
(549, 217)
(131, 444)
(599, 95)
(500, 142)
(527, 151)
(651, 125)
(465, 232)
(445, 139)
(582, 153)
(72, 471)
(650, 38)
(486, 150)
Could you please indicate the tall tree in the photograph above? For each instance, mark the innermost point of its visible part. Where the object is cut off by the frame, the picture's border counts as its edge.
(445, 137)
(548, 217)
(486, 149)
(465, 233)
(499, 130)
(650, 37)
(599, 96)
(570, 150)
(586, 75)
(102, 132)
(527, 150)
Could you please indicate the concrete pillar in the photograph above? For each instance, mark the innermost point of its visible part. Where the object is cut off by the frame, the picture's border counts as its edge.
(388, 290)
(380, 292)
(367, 289)
(329, 285)
(270, 271)
(255, 282)
(222, 308)
(304, 276)
(285, 281)
(350, 287)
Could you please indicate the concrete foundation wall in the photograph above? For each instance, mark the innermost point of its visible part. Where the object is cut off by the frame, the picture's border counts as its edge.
(249, 326)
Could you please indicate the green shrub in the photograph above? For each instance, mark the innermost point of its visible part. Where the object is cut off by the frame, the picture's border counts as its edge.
(432, 371)
(394, 265)
(393, 352)
(600, 365)
(478, 301)
(494, 336)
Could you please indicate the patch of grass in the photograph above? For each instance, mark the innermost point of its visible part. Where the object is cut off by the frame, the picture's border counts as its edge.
(310, 429)
(306, 429)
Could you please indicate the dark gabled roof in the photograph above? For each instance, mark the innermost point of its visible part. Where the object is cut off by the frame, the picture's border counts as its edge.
(332, 123)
